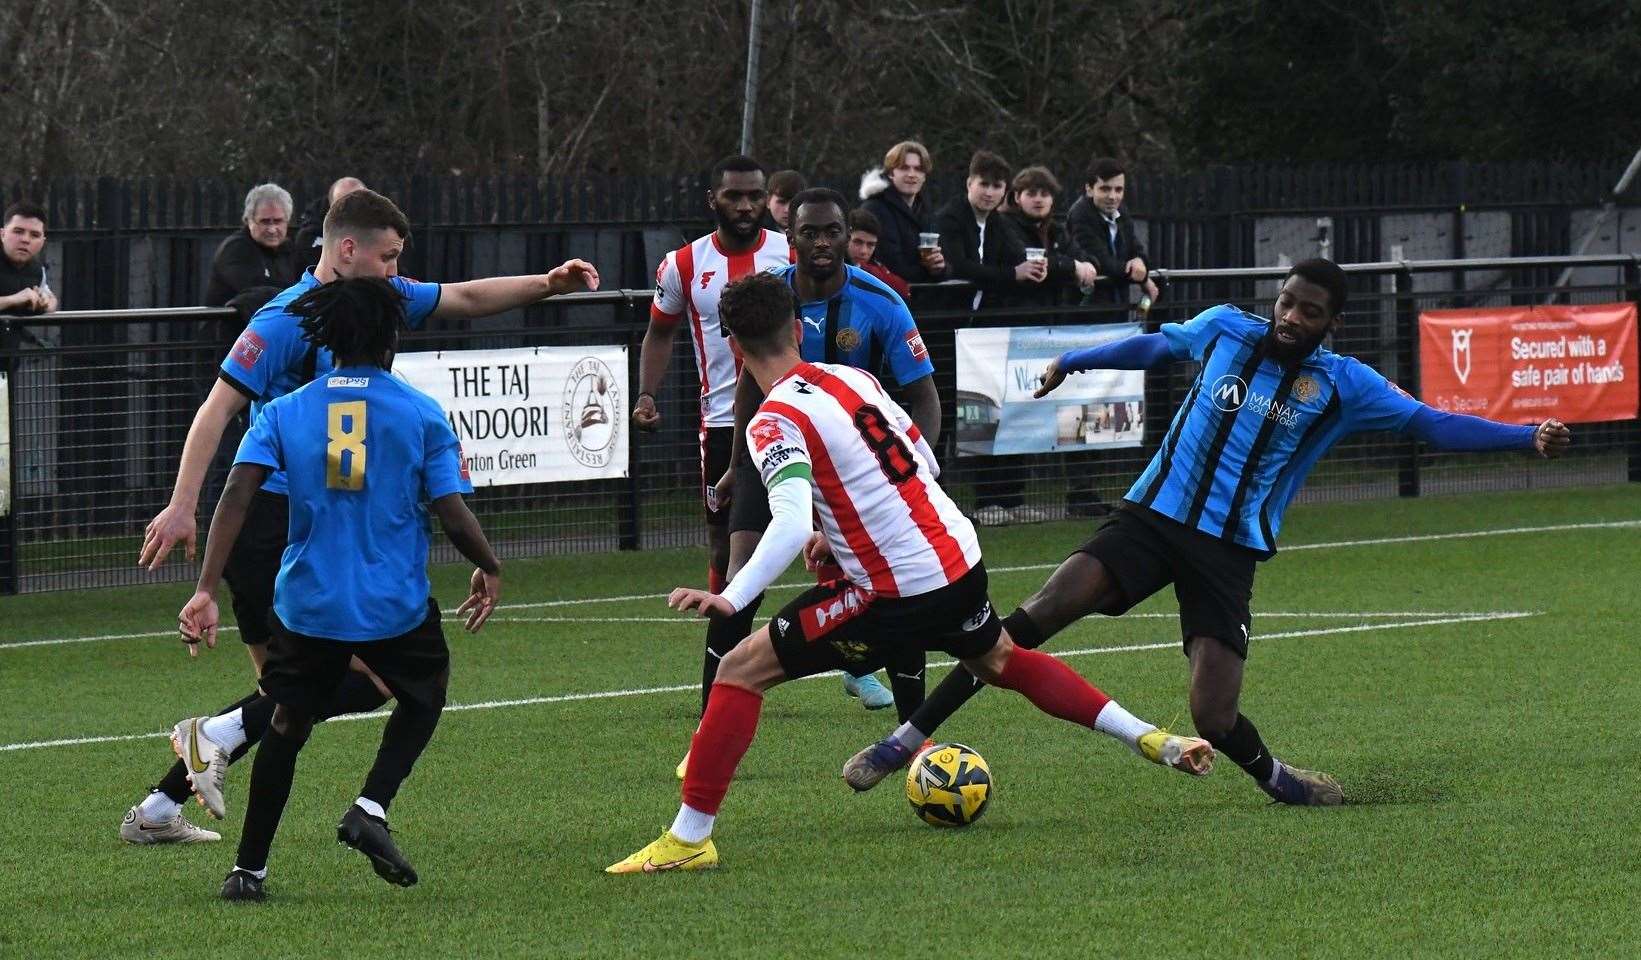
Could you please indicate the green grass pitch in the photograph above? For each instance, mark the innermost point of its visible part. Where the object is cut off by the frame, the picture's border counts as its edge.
(1489, 757)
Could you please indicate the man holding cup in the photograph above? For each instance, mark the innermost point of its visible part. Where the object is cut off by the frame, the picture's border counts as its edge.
(979, 245)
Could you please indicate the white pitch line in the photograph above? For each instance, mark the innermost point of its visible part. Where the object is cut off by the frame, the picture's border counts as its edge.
(1328, 545)
(689, 620)
(681, 687)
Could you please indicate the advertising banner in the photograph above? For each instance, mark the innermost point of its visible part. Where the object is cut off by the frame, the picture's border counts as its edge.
(533, 414)
(1529, 364)
(999, 367)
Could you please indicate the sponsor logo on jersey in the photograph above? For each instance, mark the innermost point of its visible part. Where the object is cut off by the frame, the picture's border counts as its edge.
(765, 432)
(461, 457)
(354, 382)
(706, 277)
(816, 322)
(914, 343)
(828, 615)
(979, 619)
(782, 625)
(248, 349)
(848, 338)
(1228, 393)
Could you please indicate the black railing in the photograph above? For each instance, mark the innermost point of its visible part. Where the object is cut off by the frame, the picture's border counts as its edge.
(100, 401)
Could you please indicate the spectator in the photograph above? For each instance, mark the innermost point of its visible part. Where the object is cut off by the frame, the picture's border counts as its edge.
(983, 247)
(260, 254)
(24, 288)
(1069, 271)
(863, 234)
(311, 236)
(783, 186)
(1032, 214)
(1098, 228)
(903, 213)
(979, 244)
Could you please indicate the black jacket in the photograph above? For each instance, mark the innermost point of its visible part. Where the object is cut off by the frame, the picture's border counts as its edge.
(992, 268)
(311, 234)
(15, 279)
(241, 263)
(1061, 285)
(1091, 235)
(897, 243)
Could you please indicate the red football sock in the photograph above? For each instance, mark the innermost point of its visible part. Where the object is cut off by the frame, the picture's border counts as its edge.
(725, 733)
(715, 581)
(1055, 688)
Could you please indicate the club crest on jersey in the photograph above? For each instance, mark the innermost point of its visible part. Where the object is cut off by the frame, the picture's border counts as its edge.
(765, 432)
(848, 338)
(914, 343)
(1228, 393)
(1306, 389)
(706, 277)
(248, 349)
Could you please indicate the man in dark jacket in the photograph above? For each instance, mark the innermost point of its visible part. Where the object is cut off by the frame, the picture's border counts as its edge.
(24, 288)
(1099, 228)
(260, 254)
(895, 196)
(1032, 214)
(980, 245)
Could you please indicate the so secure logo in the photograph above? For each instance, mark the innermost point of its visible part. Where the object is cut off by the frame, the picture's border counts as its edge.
(1228, 393)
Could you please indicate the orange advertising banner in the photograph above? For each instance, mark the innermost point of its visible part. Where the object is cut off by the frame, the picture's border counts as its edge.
(1529, 364)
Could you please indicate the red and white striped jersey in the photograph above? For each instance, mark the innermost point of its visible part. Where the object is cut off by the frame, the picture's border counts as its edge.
(888, 523)
(688, 284)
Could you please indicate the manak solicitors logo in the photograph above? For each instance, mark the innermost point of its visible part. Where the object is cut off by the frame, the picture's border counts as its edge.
(1228, 393)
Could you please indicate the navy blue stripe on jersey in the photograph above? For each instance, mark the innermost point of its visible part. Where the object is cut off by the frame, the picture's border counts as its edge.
(1165, 456)
(1303, 452)
(881, 291)
(1222, 427)
(1256, 457)
(833, 306)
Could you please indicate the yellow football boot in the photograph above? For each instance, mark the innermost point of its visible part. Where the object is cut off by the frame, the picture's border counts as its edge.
(668, 853)
(1191, 755)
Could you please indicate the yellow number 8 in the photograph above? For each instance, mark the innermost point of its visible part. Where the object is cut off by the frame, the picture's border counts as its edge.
(345, 454)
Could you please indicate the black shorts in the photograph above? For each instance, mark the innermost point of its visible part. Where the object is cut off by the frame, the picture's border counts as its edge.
(839, 626)
(749, 503)
(254, 563)
(1145, 551)
(303, 672)
(716, 443)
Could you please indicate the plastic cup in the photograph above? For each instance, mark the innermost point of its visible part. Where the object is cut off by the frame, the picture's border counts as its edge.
(1034, 254)
(928, 241)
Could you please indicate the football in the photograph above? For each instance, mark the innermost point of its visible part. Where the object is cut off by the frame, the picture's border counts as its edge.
(949, 785)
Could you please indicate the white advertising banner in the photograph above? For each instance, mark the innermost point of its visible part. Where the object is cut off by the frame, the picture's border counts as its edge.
(532, 414)
(998, 368)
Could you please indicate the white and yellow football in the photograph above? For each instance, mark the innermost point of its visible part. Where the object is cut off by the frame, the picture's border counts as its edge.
(949, 785)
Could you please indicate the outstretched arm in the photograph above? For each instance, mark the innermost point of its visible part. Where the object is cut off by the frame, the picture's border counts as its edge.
(481, 298)
(464, 531)
(1461, 433)
(1141, 352)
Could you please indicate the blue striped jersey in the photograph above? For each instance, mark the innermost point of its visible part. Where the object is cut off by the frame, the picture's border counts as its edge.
(1251, 429)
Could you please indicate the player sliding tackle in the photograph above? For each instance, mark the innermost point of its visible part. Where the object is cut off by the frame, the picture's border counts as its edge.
(1268, 403)
(828, 440)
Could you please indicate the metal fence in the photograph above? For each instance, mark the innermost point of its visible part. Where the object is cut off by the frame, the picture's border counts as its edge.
(100, 403)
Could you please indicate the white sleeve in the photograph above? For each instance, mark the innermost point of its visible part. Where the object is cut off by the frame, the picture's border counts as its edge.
(791, 511)
(669, 303)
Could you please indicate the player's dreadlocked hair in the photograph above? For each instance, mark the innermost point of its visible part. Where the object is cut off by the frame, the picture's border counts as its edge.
(358, 320)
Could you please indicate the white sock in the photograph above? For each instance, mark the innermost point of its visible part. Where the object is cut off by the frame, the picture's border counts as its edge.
(909, 736)
(371, 807)
(1276, 771)
(226, 731)
(691, 825)
(159, 808)
(1114, 721)
(259, 874)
